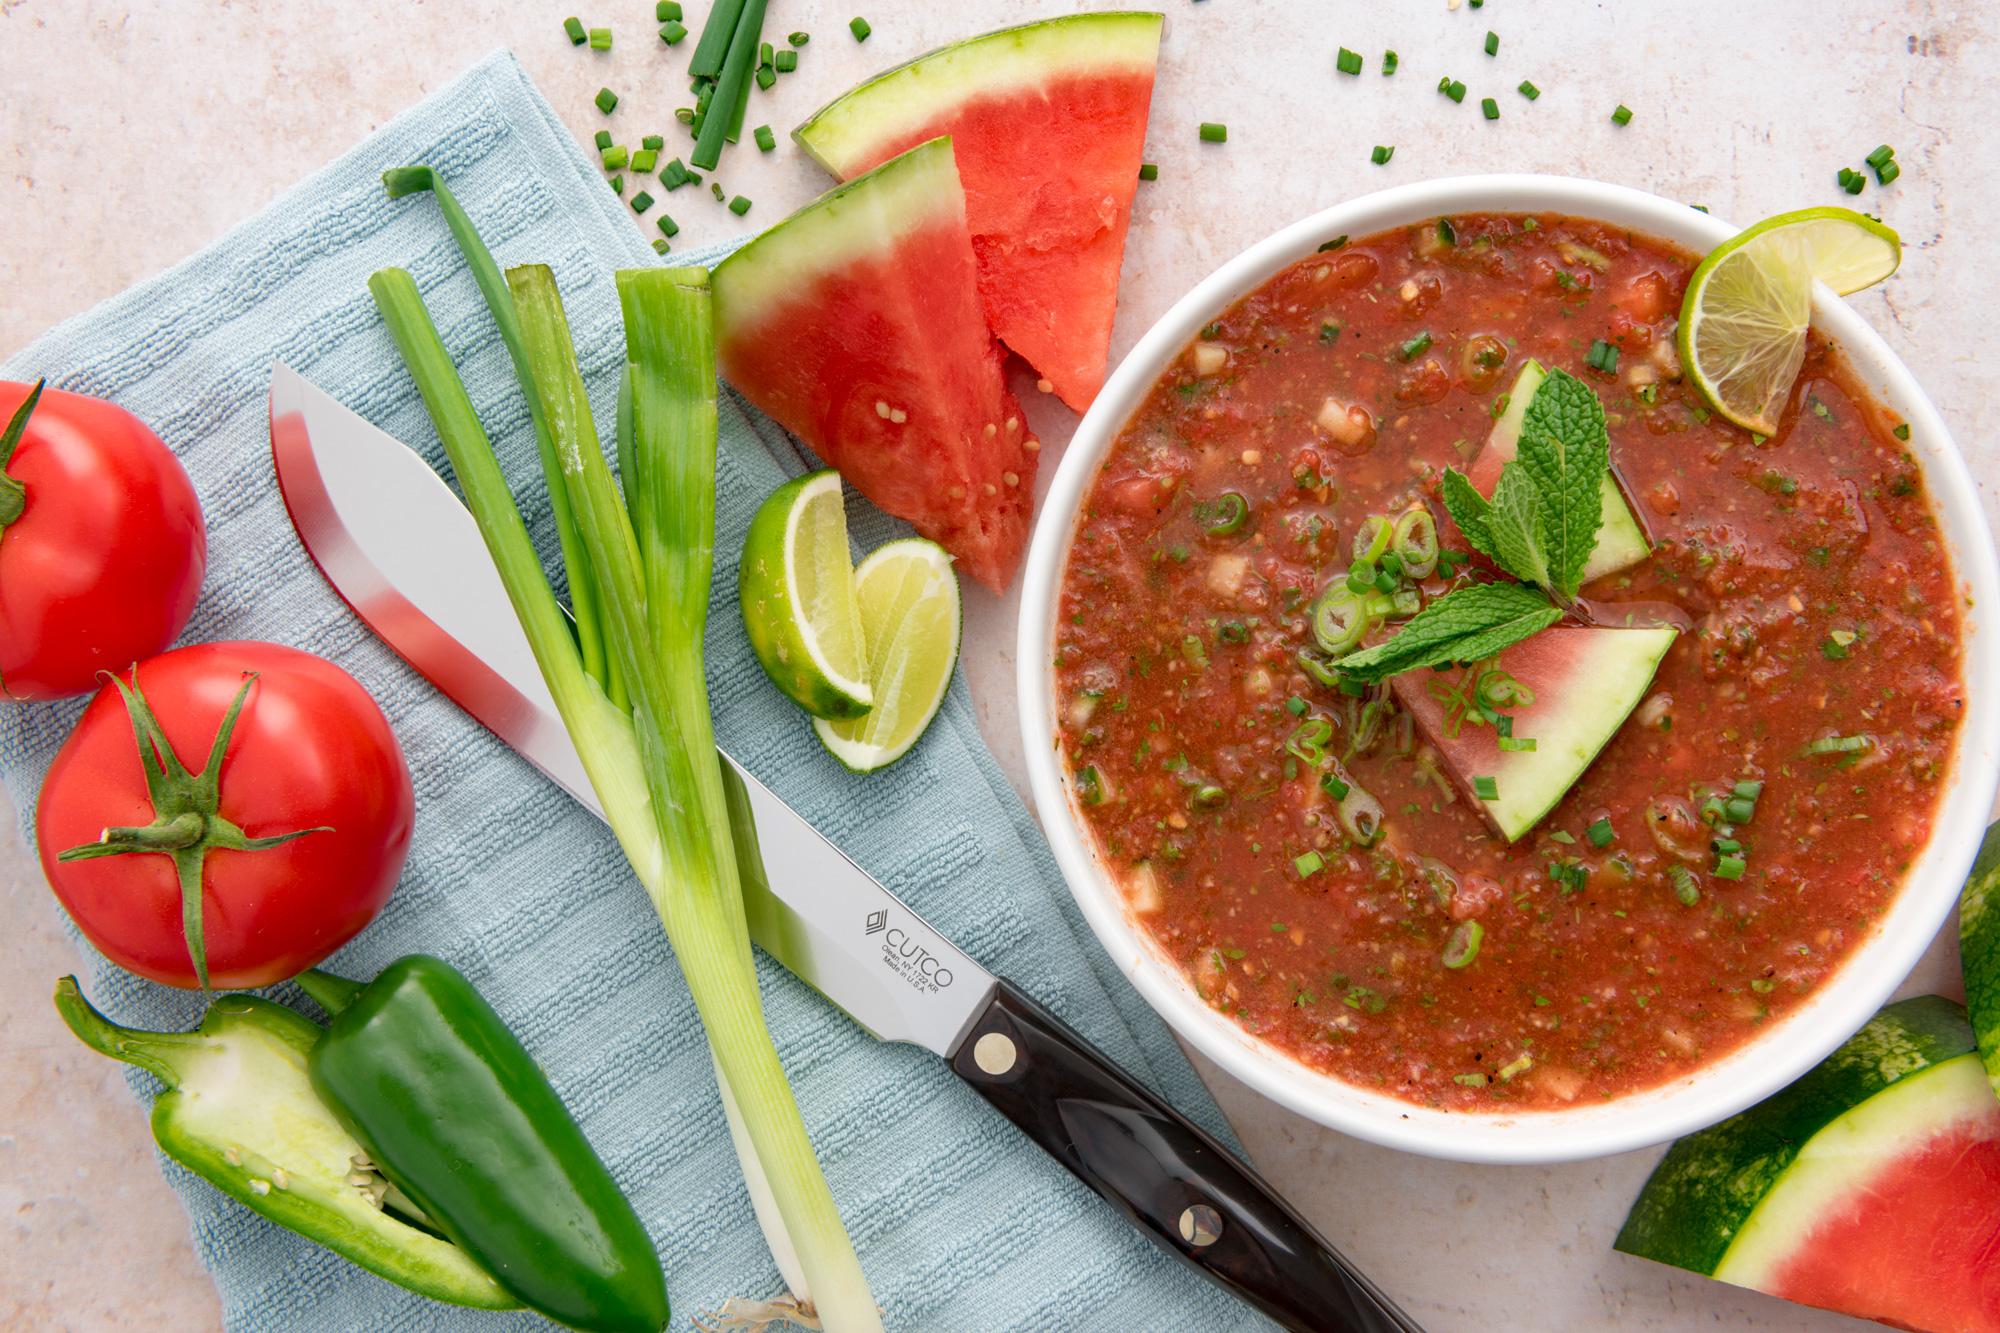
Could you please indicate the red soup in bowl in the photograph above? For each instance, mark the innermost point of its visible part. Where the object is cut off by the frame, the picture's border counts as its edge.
(1298, 849)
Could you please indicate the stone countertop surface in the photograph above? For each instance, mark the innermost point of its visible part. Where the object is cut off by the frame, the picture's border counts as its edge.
(135, 133)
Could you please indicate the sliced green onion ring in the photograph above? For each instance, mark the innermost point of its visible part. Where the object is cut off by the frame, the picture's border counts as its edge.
(1372, 538)
(1463, 946)
(1341, 619)
(1225, 515)
(1415, 542)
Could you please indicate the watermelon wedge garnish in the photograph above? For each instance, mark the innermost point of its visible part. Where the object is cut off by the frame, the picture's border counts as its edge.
(855, 323)
(1581, 683)
(1871, 1186)
(1049, 124)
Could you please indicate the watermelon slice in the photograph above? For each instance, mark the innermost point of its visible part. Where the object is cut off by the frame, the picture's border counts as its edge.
(1585, 682)
(1871, 1186)
(855, 323)
(1621, 540)
(1979, 950)
(1049, 121)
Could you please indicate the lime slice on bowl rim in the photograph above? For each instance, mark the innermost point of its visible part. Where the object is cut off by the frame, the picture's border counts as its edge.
(910, 616)
(1743, 321)
(796, 586)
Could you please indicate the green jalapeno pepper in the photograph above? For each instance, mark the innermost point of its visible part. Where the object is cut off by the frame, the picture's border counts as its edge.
(240, 1113)
(458, 1116)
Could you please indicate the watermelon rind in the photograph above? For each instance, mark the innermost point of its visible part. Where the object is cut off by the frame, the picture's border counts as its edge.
(898, 101)
(1979, 951)
(1621, 540)
(1704, 1197)
(1844, 1159)
(862, 217)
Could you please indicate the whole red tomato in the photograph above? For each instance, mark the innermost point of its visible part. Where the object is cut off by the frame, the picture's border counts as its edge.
(101, 544)
(284, 833)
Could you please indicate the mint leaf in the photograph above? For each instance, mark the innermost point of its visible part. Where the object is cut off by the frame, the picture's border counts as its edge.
(1467, 508)
(1465, 625)
(1517, 527)
(1566, 450)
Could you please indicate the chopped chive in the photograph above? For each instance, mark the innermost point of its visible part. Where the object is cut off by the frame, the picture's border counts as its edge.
(860, 29)
(1213, 132)
(666, 10)
(1347, 62)
(1489, 108)
(766, 140)
(1389, 62)
(653, 142)
(1600, 833)
(799, 38)
(1296, 706)
(1602, 356)
(684, 114)
(1492, 43)
(1149, 171)
(1730, 867)
(1452, 88)
(1486, 789)
(764, 53)
(715, 188)
(1382, 154)
(645, 160)
(1416, 346)
(672, 33)
(1902, 430)
(766, 76)
(1887, 172)
(1739, 810)
(785, 61)
(641, 202)
(1851, 180)
(600, 39)
(574, 27)
(618, 185)
(1839, 745)
(607, 101)
(660, 245)
(602, 140)
(1209, 797)
(674, 174)
(1622, 115)
(1881, 155)
(615, 158)
(1308, 864)
(667, 226)
(739, 205)
(1331, 784)
(1749, 789)
(1528, 90)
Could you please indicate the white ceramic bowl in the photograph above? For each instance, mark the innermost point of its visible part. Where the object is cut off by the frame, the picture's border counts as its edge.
(1715, 1091)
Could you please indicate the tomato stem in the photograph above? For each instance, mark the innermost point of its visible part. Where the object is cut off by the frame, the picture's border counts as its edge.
(188, 823)
(14, 496)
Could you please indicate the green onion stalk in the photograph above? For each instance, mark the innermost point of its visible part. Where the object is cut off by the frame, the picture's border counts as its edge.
(640, 719)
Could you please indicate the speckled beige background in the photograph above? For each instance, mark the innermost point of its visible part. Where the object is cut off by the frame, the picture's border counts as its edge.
(133, 134)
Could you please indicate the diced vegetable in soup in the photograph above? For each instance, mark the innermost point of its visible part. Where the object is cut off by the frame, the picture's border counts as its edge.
(1301, 844)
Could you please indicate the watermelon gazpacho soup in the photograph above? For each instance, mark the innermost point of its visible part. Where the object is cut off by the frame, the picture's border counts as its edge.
(1587, 863)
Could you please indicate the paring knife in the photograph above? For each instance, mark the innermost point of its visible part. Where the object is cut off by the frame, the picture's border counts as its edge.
(396, 543)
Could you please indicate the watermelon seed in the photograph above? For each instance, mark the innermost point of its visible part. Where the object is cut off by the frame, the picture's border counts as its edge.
(1032, 445)
(1011, 478)
(1043, 386)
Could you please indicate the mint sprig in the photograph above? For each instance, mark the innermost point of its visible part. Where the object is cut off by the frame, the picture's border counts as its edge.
(1540, 526)
(1471, 623)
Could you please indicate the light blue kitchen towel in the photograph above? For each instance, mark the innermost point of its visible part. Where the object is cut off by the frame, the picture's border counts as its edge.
(961, 1224)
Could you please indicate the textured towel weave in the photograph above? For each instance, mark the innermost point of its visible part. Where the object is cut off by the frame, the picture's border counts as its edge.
(960, 1222)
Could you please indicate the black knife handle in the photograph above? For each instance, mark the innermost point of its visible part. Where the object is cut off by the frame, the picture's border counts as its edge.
(1171, 1179)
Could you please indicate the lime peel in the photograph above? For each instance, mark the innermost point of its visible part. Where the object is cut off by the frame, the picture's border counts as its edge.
(796, 587)
(1744, 318)
(912, 621)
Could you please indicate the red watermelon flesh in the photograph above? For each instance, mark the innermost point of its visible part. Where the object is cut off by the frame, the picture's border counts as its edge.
(856, 325)
(1585, 682)
(1049, 125)
(1917, 1245)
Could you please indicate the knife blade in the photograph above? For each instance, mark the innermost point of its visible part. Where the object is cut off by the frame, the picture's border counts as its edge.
(400, 549)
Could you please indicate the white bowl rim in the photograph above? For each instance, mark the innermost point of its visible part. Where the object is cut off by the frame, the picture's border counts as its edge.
(1716, 1090)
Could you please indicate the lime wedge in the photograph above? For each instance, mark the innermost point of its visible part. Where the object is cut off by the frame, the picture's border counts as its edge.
(797, 590)
(910, 617)
(1743, 320)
